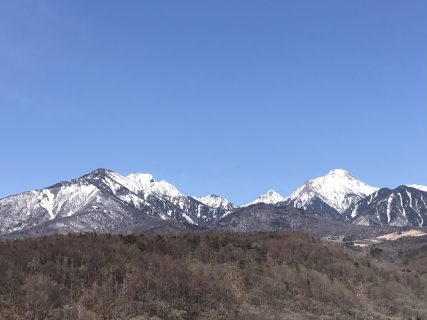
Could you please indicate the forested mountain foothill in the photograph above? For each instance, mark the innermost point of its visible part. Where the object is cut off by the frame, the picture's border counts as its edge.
(210, 275)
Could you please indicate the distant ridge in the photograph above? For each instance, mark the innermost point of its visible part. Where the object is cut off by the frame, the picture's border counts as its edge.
(106, 201)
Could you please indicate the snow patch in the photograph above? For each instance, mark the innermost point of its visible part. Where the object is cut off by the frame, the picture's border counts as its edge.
(47, 198)
(389, 203)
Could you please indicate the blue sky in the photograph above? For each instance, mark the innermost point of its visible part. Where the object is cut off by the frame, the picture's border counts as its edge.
(225, 97)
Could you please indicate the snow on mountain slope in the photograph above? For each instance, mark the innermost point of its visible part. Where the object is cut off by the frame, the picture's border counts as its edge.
(403, 206)
(271, 197)
(105, 197)
(215, 201)
(105, 201)
(146, 183)
(156, 198)
(165, 194)
(338, 189)
(418, 186)
(31, 208)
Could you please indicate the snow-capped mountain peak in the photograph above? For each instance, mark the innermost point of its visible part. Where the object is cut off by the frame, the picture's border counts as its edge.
(146, 183)
(339, 172)
(270, 197)
(338, 189)
(215, 201)
(106, 200)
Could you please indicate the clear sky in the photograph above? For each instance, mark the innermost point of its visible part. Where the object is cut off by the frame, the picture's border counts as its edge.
(225, 97)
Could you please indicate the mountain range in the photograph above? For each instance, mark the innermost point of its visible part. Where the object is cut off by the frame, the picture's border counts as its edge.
(105, 201)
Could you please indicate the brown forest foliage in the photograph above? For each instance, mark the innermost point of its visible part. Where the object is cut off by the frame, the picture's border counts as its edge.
(279, 275)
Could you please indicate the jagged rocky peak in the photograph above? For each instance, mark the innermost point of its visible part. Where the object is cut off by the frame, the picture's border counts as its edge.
(270, 197)
(215, 201)
(100, 171)
(338, 189)
(403, 206)
(97, 174)
(104, 200)
(146, 183)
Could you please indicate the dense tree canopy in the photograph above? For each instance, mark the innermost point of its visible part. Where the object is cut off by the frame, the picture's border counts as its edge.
(280, 275)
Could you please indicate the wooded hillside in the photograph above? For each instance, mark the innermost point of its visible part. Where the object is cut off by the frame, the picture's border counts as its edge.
(280, 275)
